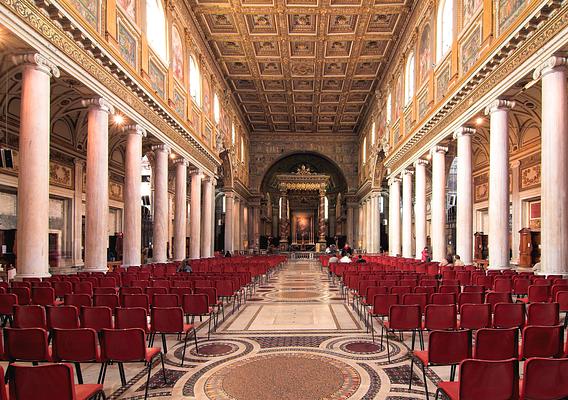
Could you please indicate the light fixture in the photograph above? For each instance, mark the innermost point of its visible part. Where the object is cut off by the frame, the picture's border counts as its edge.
(118, 119)
(479, 120)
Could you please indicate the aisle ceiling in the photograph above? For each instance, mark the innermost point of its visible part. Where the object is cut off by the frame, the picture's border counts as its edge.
(301, 65)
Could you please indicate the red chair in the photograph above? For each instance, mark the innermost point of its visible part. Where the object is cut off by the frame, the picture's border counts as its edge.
(26, 345)
(3, 391)
(547, 314)
(470, 298)
(197, 305)
(544, 378)
(166, 300)
(107, 282)
(419, 299)
(521, 287)
(562, 300)
(496, 344)
(440, 317)
(78, 300)
(44, 296)
(403, 318)
(214, 301)
(503, 285)
(107, 300)
(180, 291)
(128, 345)
(474, 289)
(135, 317)
(23, 293)
(444, 348)
(7, 303)
(104, 290)
(83, 287)
(497, 297)
(400, 290)
(449, 289)
(53, 381)
(169, 320)
(151, 291)
(475, 316)
(537, 294)
(78, 345)
(97, 318)
(131, 290)
(509, 315)
(30, 316)
(136, 300)
(542, 341)
(380, 309)
(62, 317)
(62, 288)
(443, 298)
(483, 379)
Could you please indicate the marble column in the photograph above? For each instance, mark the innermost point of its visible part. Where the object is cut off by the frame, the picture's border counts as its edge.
(132, 242)
(516, 217)
(237, 224)
(229, 219)
(438, 204)
(161, 214)
(499, 183)
(360, 226)
(420, 206)
(464, 214)
(79, 165)
(554, 184)
(322, 225)
(180, 216)
(349, 233)
(373, 226)
(96, 235)
(244, 226)
(206, 218)
(407, 214)
(195, 214)
(394, 222)
(33, 180)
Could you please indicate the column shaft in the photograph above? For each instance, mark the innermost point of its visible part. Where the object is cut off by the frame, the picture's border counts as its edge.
(420, 206)
(132, 197)
(229, 219)
(161, 214)
(195, 214)
(237, 225)
(407, 214)
(464, 217)
(207, 218)
(438, 205)
(180, 218)
(349, 232)
(499, 184)
(395, 250)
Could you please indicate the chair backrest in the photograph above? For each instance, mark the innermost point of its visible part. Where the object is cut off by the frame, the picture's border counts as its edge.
(474, 289)
(419, 299)
(166, 319)
(30, 316)
(195, 304)
(545, 378)
(443, 298)
(509, 315)
(470, 298)
(136, 300)
(62, 317)
(62, 288)
(496, 344)
(43, 296)
(475, 316)
(133, 317)
(123, 345)
(26, 344)
(83, 287)
(543, 314)
(405, 317)
(131, 290)
(485, 379)
(400, 290)
(109, 300)
(7, 303)
(75, 345)
(97, 317)
(449, 347)
(23, 293)
(502, 285)
(104, 290)
(497, 297)
(440, 317)
(521, 286)
(3, 391)
(538, 293)
(429, 290)
(562, 300)
(382, 303)
(211, 293)
(166, 300)
(449, 289)
(78, 300)
(51, 381)
(542, 341)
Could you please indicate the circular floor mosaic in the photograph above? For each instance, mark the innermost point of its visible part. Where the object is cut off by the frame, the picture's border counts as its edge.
(362, 347)
(284, 377)
(214, 349)
(298, 294)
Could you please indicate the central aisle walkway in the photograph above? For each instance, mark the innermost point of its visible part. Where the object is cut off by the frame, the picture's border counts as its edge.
(294, 339)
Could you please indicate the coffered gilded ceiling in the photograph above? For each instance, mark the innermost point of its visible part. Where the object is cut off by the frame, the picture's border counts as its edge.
(302, 65)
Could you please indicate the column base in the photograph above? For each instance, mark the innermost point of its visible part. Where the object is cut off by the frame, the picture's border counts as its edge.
(95, 269)
(499, 268)
(20, 277)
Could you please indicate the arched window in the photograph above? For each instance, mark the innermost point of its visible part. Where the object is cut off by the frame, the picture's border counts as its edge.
(156, 28)
(216, 109)
(233, 133)
(194, 81)
(445, 28)
(373, 133)
(389, 108)
(364, 150)
(409, 80)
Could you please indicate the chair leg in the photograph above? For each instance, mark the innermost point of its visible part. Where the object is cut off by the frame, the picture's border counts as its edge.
(425, 382)
(8, 375)
(184, 347)
(453, 372)
(421, 337)
(388, 347)
(164, 343)
(151, 339)
(103, 373)
(411, 367)
(163, 368)
(373, 329)
(195, 339)
(122, 374)
(78, 372)
(148, 379)
(413, 339)
(209, 327)
(437, 393)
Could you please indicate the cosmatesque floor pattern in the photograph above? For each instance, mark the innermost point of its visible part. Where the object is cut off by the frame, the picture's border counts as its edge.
(294, 339)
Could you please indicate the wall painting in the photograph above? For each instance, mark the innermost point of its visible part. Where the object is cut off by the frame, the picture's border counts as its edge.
(88, 9)
(128, 45)
(425, 58)
(179, 103)
(129, 7)
(206, 97)
(442, 82)
(157, 78)
(470, 50)
(470, 8)
(177, 54)
(508, 11)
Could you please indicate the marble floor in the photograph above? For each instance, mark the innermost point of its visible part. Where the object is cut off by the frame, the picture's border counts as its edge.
(295, 338)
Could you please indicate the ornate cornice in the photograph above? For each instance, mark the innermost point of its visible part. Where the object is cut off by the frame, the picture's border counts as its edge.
(39, 61)
(550, 65)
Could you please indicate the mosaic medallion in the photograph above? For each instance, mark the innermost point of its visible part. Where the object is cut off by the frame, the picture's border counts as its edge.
(214, 349)
(284, 376)
(362, 347)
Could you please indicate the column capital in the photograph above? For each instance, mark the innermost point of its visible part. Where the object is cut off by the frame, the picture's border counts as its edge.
(438, 149)
(394, 179)
(420, 162)
(515, 164)
(134, 129)
(181, 161)
(208, 178)
(407, 172)
(79, 162)
(98, 103)
(499, 104)
(549, 65)
(463, 131)
(162, 147)
(38, 61)
(196, 171)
